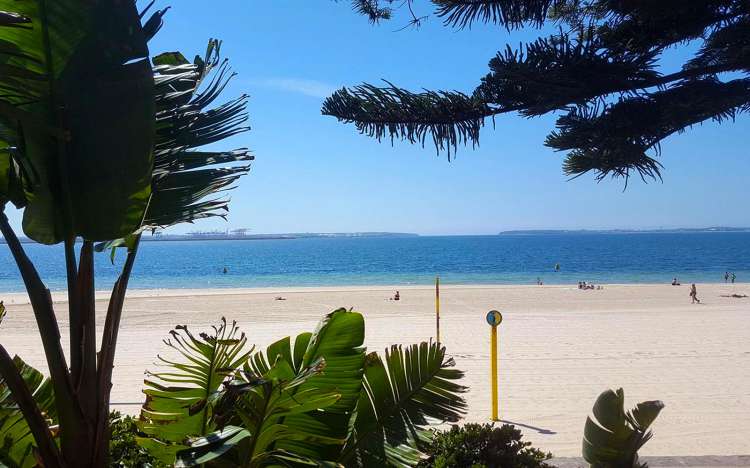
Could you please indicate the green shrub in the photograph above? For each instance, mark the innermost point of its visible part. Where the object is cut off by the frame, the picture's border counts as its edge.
(483, 446)
(123, 445)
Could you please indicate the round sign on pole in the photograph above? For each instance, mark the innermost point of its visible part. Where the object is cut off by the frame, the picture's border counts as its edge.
(494, 318)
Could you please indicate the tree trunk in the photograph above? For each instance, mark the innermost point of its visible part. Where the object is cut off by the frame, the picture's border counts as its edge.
(82, 392)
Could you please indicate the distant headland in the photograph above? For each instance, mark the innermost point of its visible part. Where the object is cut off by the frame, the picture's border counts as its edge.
(533, 232)
(244, 234)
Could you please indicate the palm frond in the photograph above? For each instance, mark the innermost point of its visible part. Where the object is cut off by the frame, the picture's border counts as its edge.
(415, 385)
(185, 92)
(262, 405)
(180, 400)
(17, 445)
(338, 341)
(449, 118)
(508, 13)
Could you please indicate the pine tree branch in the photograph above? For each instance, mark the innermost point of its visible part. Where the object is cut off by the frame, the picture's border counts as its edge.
(556, 72)
(448, 117)
(372, 9)
(509, 13)
(615, 142)
(610, 55)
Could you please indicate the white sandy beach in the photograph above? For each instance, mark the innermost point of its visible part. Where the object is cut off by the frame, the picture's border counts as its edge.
(560, 347)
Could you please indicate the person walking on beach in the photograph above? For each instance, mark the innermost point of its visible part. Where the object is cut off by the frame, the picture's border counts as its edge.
(734, 277)
(726, 276)
(694, 295)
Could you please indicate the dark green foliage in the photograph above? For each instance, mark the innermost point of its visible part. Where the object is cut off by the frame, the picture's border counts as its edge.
(97, 143)
(483, 445)
(372, 9)
(17, 444)
(185, 186)
(401, 395)
(449, 118)
(317, 399)
(600, 72)
(124, 449)
(180, 399)
(76, 110)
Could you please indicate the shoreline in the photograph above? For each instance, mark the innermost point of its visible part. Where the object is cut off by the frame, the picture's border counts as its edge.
(559, 348)
(61, 296)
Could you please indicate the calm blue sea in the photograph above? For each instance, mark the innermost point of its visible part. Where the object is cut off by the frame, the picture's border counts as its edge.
(519, 259)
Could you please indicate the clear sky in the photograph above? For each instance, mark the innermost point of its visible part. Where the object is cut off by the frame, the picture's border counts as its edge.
(314, 174)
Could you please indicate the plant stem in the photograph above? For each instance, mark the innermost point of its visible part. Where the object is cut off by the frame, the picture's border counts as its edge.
(41, 303)
(24, 399)
(74, 319)
(86, 387)
(107, 355)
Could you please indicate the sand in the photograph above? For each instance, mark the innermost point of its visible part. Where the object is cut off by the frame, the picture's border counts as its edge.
(560, 347)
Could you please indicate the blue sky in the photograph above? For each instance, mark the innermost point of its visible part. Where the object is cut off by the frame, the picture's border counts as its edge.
(315, 174)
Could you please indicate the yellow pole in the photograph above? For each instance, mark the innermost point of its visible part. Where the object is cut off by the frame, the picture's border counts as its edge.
(437, 308)
(493, 353)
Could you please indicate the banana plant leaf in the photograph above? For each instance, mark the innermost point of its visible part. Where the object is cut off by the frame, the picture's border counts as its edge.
(16, 441)
(77, 98)
(262, 405)
(402, 395)
(612, 437)
(13, 178)
(188, 183)
(180, 400)
(185, 186)
(338, 340)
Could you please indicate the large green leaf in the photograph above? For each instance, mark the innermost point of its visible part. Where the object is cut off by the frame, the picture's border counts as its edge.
(77, 98)
(338, 340)
(415, 386)
(184, 187)
(612, 437)
(180, 401)
(14, 178)
(188, 183)
(262, 405)
(16, 441)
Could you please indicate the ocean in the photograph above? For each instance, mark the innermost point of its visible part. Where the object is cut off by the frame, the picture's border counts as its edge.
(504, 259)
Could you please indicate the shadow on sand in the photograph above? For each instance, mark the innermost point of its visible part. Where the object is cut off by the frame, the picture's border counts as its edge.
(533, 428)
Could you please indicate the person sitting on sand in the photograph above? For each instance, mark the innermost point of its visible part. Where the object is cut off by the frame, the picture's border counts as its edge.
(397, 296)
(675, 282)
(694, 295)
